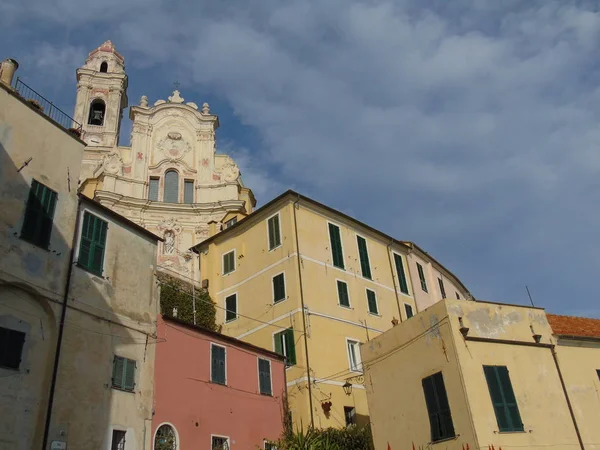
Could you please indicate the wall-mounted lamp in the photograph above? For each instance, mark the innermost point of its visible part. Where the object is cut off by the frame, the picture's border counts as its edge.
(347, 388)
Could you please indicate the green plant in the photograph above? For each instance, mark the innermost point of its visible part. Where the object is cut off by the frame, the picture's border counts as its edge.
(350, 438)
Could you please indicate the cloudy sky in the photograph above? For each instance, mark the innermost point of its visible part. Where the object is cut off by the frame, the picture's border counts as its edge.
(470, 127)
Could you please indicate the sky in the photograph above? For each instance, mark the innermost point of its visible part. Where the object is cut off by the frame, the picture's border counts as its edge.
(469, 127)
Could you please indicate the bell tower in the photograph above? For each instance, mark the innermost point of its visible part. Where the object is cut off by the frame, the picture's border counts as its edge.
(101, 96)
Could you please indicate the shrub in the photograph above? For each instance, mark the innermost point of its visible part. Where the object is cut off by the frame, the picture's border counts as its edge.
(351, 438)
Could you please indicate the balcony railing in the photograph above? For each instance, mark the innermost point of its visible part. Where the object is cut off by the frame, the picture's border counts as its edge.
(46, 106)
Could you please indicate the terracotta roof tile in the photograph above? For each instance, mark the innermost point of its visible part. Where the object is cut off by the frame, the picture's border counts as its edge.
(574, 326)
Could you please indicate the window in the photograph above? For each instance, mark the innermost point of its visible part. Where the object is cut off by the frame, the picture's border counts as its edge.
(372, 302)
(363, 253)
(350, 415)
(285, 345)
(270, 446)
(153, 189)
(93, 244)
(229, 262)
(123, 373)
(354, 355)
(457, 296)
(171, 194)
(11, 348)
(188, 191)
(264, 377)
(165, 438)
(220, 443)
(503, 398)
(343, 297)
(104, 67)
(337, 254)
(422, 277)
(401, 275)
(231, 308)
(409, 310)
(440, 419)
(274, 232)
(442, 288)
(217, 365)
(278, 288)
(39, 214)
(97, 111)
(118, 440)
(231, 222)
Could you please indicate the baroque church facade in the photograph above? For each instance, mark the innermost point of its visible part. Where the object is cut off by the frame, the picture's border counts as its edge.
(170, 179)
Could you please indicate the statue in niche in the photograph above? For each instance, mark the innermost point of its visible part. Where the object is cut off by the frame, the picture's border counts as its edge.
(169, 245)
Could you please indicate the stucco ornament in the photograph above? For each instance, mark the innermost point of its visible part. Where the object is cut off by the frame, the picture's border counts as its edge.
(170, 229)
(144, 101)
(229, 172)
(112, 163)
(176, 98)
(173, 146)
(170, 225)
(202, 231)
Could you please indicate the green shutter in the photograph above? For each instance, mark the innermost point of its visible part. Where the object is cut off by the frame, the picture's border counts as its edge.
(278, 338)
(39, 215)
(503, 398)
(372, 302)
(92, 243)
(442, 288)
(228, 262)
(290, 347)
(343, 296)
(401, 274)
(117, 373)
(363, 253)
(422, 277)
(274, 232)
(218, 364)
(264, 376)
(231, 308)
(337, 253)
(438, 409)
(409, 310)
(278, 288)
(123, 373)
(129, 376)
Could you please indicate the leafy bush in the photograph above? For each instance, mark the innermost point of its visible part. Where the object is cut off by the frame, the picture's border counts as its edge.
(351, 438)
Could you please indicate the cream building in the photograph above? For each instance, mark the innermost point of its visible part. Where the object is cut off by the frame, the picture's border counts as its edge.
(479, 374)
(312, 283)
(169, 179)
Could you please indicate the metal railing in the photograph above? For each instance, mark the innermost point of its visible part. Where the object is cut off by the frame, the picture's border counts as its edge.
(46, 106)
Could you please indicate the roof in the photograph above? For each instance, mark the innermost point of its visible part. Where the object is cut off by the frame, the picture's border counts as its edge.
(119, 218)
(223, 337)
(573, 326)
(293, 195)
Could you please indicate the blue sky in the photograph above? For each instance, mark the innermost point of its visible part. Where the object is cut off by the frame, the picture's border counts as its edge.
(470, 127)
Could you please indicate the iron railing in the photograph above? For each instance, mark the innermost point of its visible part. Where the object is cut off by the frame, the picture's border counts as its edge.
(46, 106)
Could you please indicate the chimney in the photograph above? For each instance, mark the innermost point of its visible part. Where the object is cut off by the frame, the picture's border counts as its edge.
(7, 71)
(213, 228)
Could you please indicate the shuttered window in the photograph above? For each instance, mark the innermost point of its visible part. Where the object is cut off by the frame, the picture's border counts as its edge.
(231, 308)
(92, 244)
(11, 348)
(457, 295)
(335, 240)
(123, 374)
(354, 355)
(440, 419)
(409, 310)
(278, 288)
(153, 189)
(442, 288)
(503, 398)
(422, 277)
(363, 253)
(229, 262)
(217, 371)
(264, 376)
(372, 302)
(274, 232)
(285, 345)
(401, 274)
(188, 191)
(343, 297)
(39, 215)
(171, 187)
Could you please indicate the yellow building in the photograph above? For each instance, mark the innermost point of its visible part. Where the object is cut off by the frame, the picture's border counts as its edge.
(476, 374)
(305, 280)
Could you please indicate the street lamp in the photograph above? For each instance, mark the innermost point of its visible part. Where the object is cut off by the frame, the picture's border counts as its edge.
(347, 388)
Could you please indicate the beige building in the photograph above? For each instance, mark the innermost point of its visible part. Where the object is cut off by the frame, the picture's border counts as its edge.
(478, 374)
(169, 179)
(307, 281)
(78, 299)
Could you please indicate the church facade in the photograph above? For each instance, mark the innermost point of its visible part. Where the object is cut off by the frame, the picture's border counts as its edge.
(169, 179)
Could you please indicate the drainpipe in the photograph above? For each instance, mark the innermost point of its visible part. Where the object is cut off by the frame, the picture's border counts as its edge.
(61, 328)
(312, 419)
(389, 248)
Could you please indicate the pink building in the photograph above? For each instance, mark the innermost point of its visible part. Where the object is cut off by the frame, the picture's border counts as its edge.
(214, 392)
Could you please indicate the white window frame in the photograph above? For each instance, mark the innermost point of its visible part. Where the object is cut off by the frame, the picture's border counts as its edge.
(378, 313)
(284, 348)
(273, 288)
(411, 308)
(270, 375)
(337, 289)
(358, 367)
(331, 246)
(223, 262)
(214, 344)
(110, 436)
(222, 437)
(236, 307)
(368, 256)
(280, 235)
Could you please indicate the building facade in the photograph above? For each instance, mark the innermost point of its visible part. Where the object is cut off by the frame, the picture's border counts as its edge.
(170, 179)
(215, 392)
(313, 284)
(478, 374)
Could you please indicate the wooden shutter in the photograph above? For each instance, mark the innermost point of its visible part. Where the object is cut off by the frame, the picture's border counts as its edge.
(218, 364)
(171, 187)
(39, 215)
(372, 301)
(343, 297)
(442, 288)
(503, 398)
(231, 307)
(264, 376)
(278, 288)
(278, 338)
(336, 246)
(401, 275)
(118, 370)
(290, 346)
(274, 232)
(422, 277)
(363, 253)
(99, 243)
(129, 375)
(440, 419)
(409, 311)
(153, 189)
(92, 243)
(228, 262)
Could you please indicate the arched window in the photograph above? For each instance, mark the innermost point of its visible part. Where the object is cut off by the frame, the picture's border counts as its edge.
(97, 111)
(165, 438)
(104, 67)
(171, 187)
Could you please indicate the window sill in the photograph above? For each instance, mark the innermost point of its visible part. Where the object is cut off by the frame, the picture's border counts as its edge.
(451, 438)
(510, 432)
(41, 247)
(265, 394)
(281, 300)
(374, 314)
(275, 248)
(90, 271)
(231, 320)
(228, 273)
(219, 383)
(345, 307)
(338, 267)
(129, 391)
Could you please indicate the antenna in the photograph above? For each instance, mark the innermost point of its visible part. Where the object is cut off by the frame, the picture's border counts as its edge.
(529, 293)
